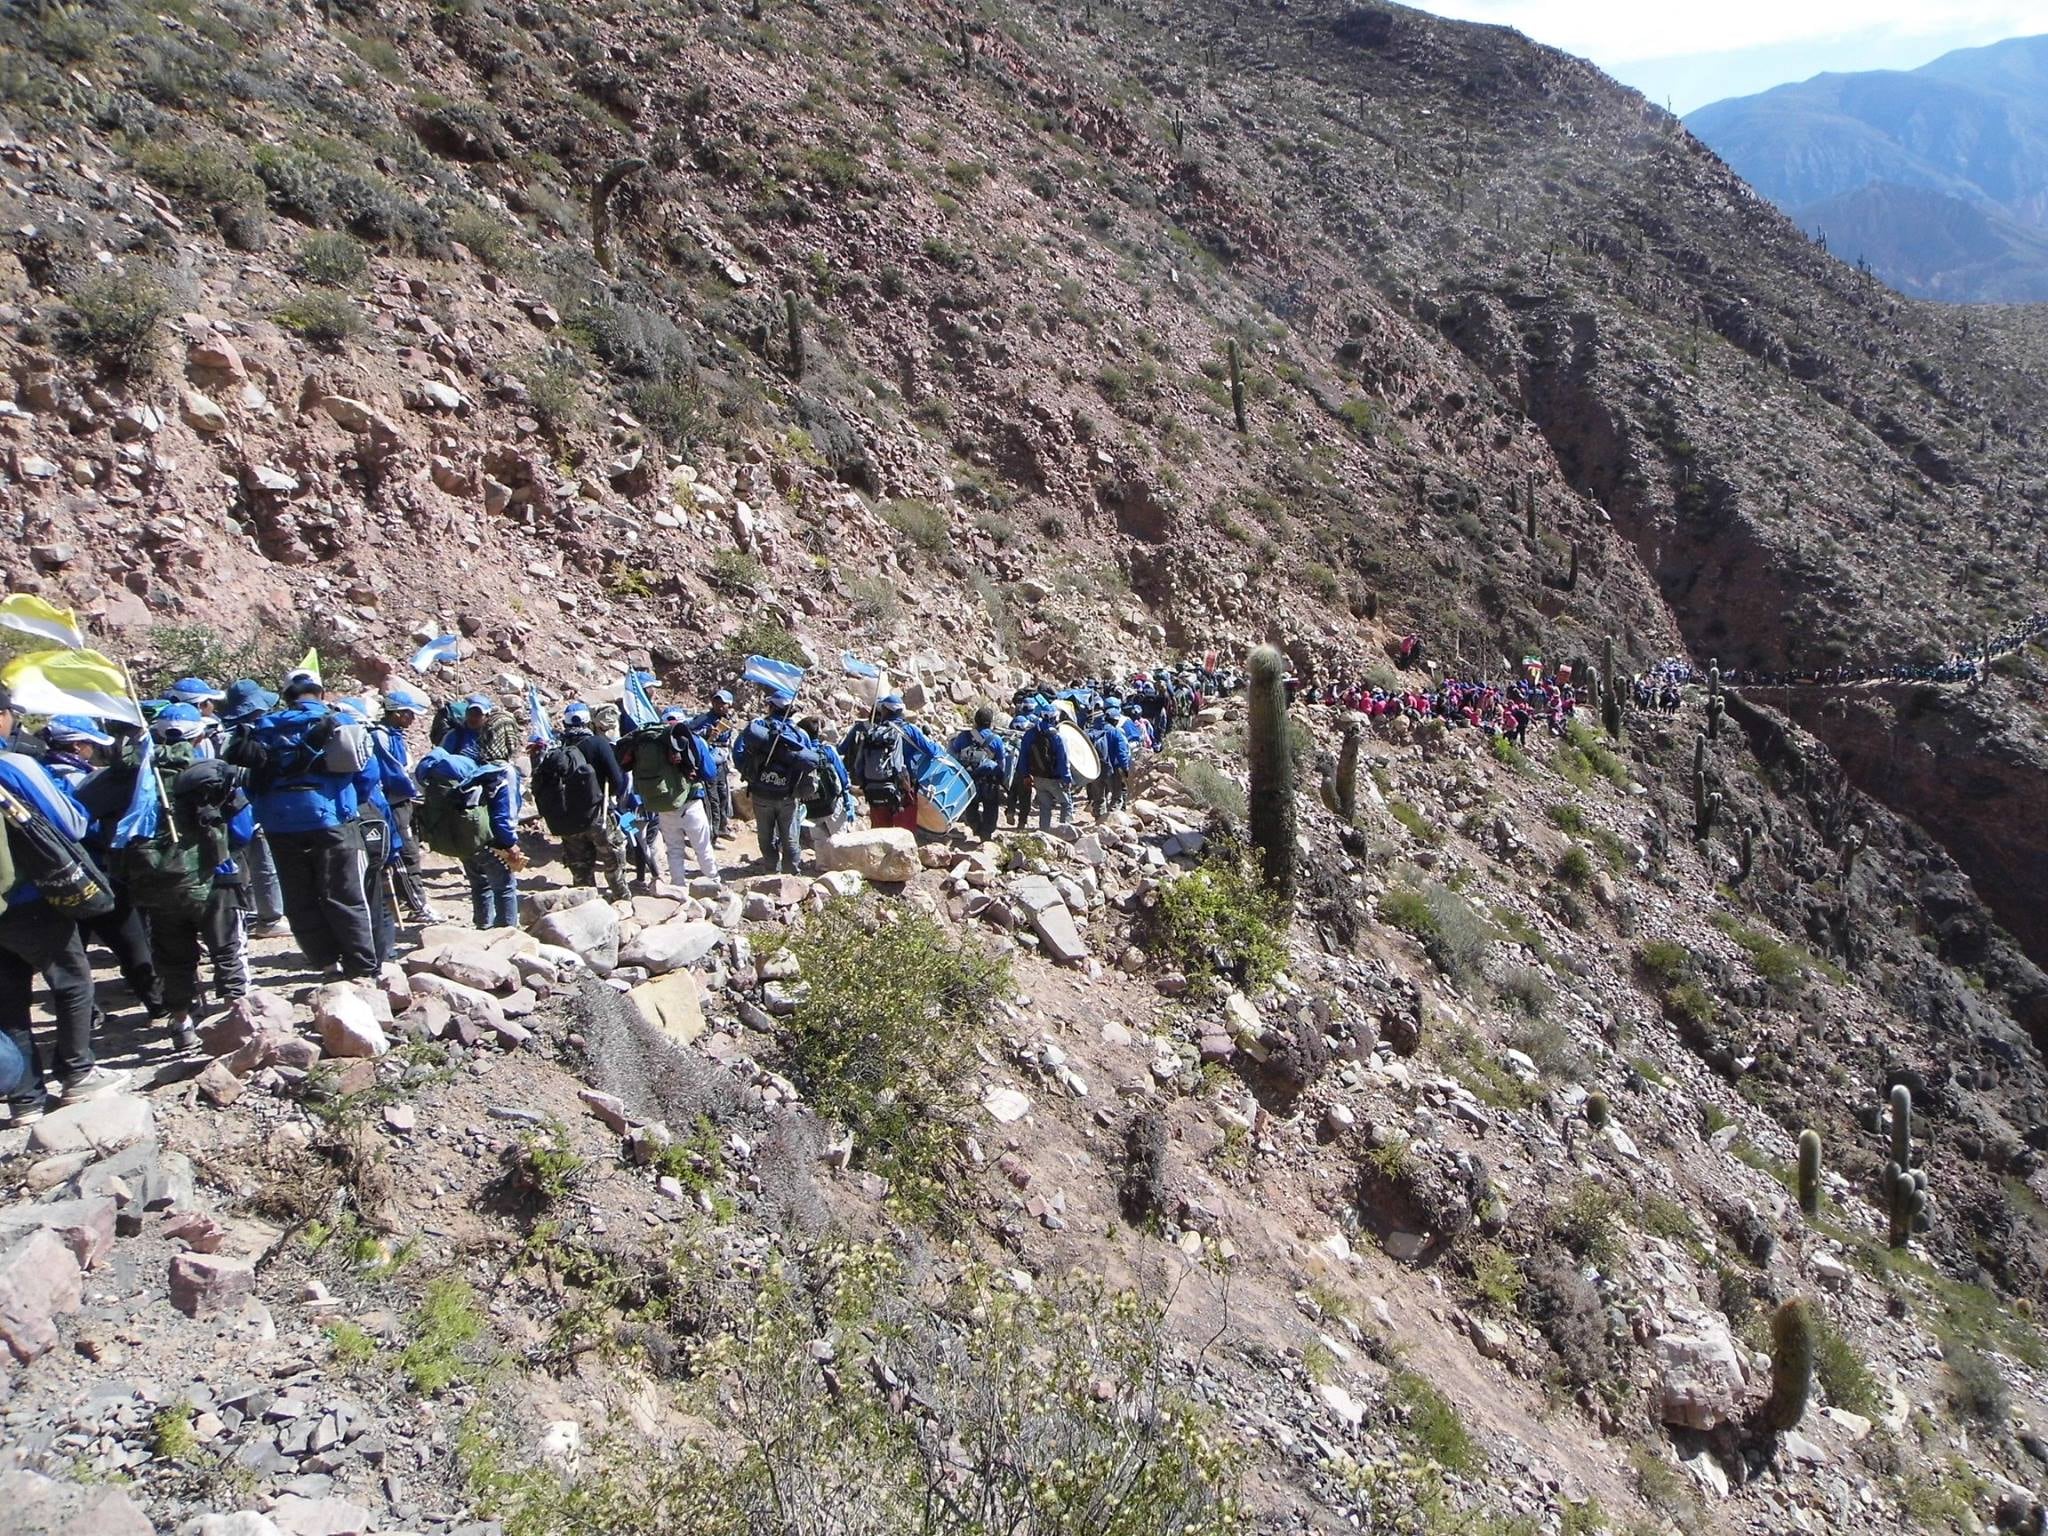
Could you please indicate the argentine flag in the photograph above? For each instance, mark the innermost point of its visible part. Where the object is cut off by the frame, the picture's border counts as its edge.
(439, 652)
(537, 728)
(144, 816)
(767, 672)
(633, 699)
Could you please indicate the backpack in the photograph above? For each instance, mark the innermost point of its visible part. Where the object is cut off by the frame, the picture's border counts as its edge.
(663, 784)
(777, 762)
(977, 756)
(1043, 764)
(830, 791)
(174, 871)
(302, 763)
(881, 766)
(452, 819)
(42, 854)
(567, 790)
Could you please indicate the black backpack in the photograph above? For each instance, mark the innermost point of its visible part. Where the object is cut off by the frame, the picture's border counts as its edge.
(567, 790)
(831, 786)
(881, 767)
(977, 756)
(1043, 764)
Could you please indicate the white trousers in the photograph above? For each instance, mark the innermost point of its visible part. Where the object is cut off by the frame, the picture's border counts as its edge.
(687, 831)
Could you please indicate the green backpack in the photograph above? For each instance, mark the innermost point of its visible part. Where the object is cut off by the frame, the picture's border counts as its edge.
(660, 784)
(453, 820)
(173, 872)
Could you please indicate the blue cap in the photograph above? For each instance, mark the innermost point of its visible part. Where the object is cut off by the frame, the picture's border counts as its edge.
(675, 714)
(723, 696)
(75, 728)
(179, 722)
(782, 698)
(402, 697)
(575, 712)
(477, 701)
(245, 700)
(194, 690)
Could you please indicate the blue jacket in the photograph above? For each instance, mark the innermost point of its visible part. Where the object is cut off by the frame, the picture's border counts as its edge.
(314, 799)
(830, 755)
(394, 763)
(26, 778)
(1000, 773)
(1027, 749)
(1112, 746)
(503, 798)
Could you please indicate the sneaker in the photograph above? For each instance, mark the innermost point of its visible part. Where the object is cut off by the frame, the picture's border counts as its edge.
(26, 1114)
(275, 929)
(183, 1036)
(93, 1083)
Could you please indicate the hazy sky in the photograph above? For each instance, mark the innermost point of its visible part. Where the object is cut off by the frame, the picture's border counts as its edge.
(1690, 55)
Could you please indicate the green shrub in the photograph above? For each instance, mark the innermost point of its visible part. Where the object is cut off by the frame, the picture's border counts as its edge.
(1505, 751)
(1218, 924)
(1322, 581)
(114, 320)
(1975, 1383)
(1688, 1003)
(1433, 1422)
(1497, 1280)
(1842, 1373)
(1588, 1224)
(875, 599)
(1450, 931)
(923, 524)
(322, 317)
(737, 572)
(1418, 825)
(764, 637)
(1212, 787)
(1779, 964)
(199, 175)
(333, 260)
(445, 1328)
(672, 409)
(1529, 990)
(554, 393)
(1567, 817)
(487, 236)
(886, 1030)
(1575, 867)
(1664, 961)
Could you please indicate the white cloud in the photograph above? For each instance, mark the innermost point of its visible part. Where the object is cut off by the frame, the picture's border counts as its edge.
(1620, 31)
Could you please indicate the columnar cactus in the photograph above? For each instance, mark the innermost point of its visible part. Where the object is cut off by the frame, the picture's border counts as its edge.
(600, 207)
(1271, 798)
(1715, 707)
(1237, 390)
(1747, 864)
(1809, 1172)
(793, 321)
(1610, 692)
(1347, 773)
(1905, 1188)
(1791, 1364)
(1598, 1111)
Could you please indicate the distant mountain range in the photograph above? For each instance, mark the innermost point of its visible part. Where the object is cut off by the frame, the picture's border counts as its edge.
(1937, 176)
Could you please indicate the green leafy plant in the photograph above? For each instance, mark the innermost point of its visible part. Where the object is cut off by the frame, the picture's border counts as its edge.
(114, 321)
(1218, 924)
(445, 1329)
(321, 316)
(883, 1035)
(331, 259)
(925, 525)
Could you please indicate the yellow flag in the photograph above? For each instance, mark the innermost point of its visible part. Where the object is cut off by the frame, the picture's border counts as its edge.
(309, 665)
(32, 616)
(77, 682)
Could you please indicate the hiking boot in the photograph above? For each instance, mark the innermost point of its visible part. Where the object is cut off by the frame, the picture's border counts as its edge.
(27, 1114)
(93, 1083)
(618, 891)
(277, 928)
(183, 1036)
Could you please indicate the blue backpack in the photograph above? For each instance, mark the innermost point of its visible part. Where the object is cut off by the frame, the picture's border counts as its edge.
(777, 761)
(302, 767)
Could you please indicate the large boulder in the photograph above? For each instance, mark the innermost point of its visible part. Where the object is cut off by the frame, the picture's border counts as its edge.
(206, 1283)
(98, 1125)
(884, 855)
(590, 929)
(245, 1018)
(39, 1282)
(473, 966)
(672, 1004)
(86, 1227)
(347, 1022)
(53, 1507)
(1700, 1381)
(671, 946)
(464, 1002)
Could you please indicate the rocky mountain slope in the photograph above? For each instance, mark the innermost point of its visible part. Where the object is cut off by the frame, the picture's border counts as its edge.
(914, 334)
(1937, 176)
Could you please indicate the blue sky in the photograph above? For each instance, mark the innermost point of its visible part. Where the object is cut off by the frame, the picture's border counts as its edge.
(1689, 55)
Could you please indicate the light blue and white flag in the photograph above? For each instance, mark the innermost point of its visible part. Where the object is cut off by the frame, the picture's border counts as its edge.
(439, 652)
(767, 672)
(633, 699)
(853, 666)
(144, 816)
(537, 727)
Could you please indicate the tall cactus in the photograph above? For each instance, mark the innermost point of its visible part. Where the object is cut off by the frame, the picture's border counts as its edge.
(1347, 773)
(1271, 799)
(1706, 805)
(1791, 1364)
(1905, 1188)
(1809, 1172)
(1747, 864)
(1715, 706)
(793, 321)
(1529, 525)
(1237, 390)
(1610, 692)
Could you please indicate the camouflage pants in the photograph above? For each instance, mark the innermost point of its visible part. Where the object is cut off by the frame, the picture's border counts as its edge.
(602, 848)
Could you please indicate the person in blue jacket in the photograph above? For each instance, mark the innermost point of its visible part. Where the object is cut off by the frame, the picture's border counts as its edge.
(493, 871)
(378, 827)
(247, 701)
(780, 765)
(835, 805)
(179, 933)
(1113, 749)
(1043, 757)
(35, 939)
(402, 707)
(76, 745)
(981, 751)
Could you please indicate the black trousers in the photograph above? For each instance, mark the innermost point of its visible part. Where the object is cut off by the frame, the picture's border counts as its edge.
(987, 807)
(1020, 798)
(216, 930)
(321, 874)
(124, 934)
(35, 938)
